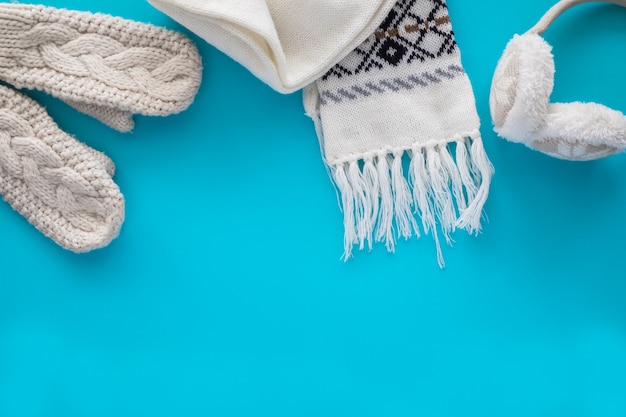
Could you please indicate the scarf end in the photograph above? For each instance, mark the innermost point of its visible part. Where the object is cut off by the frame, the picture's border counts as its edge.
(383, 199)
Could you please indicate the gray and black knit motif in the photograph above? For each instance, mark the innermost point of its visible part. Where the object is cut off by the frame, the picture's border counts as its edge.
(407, 35)
(413, 48)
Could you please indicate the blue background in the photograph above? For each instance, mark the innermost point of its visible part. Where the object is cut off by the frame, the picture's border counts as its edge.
(225, 296)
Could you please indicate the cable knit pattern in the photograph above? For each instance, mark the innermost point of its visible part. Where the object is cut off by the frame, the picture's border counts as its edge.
(102, 65)
(60, 185)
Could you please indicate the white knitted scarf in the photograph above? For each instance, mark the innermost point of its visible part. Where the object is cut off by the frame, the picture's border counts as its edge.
(395, 113)
(400, 132)
(104, 66)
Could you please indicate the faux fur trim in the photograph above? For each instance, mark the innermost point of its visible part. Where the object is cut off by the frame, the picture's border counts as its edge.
(534, 62)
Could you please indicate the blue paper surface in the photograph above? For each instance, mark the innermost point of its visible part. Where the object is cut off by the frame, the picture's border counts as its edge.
(225, 296)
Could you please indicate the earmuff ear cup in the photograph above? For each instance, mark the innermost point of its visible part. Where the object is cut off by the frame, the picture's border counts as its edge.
(581, 132)
(521, 87)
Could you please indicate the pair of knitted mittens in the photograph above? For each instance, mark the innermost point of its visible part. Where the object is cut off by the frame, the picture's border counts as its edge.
(107, 67)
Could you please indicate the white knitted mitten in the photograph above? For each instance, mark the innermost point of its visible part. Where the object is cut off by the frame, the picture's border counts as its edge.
(62, 187)
(104, 66)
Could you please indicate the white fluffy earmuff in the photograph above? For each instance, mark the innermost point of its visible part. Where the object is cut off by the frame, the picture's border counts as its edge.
(521, 87)
(520, 102)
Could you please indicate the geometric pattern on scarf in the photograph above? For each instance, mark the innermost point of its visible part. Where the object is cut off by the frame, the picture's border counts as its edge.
(403, 37)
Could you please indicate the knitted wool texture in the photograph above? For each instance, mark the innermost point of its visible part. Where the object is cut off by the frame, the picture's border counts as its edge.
(60, 185)
(403, 96)
(107, 67)
(287, 44)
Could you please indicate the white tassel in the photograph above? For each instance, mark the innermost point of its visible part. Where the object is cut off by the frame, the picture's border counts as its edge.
(347, 203)
(402, 199)
(370, 177)
(419, 181)
(466, 169)
(384, 230)
(376, 195)
(362, 204)
(453, 173)
(441, 195)
(470, 217)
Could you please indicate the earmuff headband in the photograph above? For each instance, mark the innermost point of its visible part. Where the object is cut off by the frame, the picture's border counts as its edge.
(558, 9)
(520, 101)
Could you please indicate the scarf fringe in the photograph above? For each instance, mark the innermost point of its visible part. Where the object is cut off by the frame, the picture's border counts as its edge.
(382, 203)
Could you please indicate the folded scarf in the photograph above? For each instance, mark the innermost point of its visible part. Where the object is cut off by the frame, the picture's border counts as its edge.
(287, 44)
(396, 116)
(104, 66)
